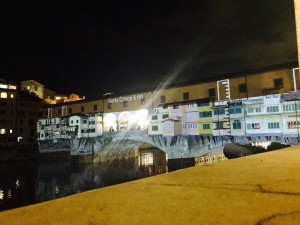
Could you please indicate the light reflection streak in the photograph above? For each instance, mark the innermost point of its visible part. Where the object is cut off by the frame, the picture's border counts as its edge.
(187, 59)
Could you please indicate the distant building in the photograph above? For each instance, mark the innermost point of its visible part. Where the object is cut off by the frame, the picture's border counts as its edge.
(49, 96)
(19, 112)
(33, 87)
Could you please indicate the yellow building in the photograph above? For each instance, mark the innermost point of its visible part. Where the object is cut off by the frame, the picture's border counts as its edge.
(33, 87)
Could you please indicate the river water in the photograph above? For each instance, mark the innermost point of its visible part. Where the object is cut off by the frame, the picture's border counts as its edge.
(26, 183)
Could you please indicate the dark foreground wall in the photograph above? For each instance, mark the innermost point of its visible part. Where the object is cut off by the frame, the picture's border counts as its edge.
(175, 164)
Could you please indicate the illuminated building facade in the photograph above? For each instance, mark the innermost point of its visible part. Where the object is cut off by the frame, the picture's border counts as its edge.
(179, 104)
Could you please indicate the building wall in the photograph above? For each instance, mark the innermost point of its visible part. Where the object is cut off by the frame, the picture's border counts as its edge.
(258, 84)
(34, 87)
(8, 113)
(19, 112)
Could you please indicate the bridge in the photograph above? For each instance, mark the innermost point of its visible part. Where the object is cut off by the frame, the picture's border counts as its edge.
(174, 146)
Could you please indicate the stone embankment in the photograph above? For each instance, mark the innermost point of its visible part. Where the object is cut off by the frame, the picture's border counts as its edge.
(256, 189)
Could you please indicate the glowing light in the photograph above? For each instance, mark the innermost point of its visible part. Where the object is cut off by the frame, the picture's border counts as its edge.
(56, 189)
(142, 119)
(1, 194)
(9, 194)
(110, 121)
(18, 183)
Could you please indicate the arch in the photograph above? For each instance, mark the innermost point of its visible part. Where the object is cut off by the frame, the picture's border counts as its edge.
(110, 122)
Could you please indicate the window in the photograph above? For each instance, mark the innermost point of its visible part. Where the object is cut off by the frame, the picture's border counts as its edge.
(192, 105)
(253, 126)
(154, 117)
(11, 95)
(235, 110)
(35, 88)
(95, 107)
(243, 88)
(219, 111)
(85, 121)
(186, 96)
(191, 114)
(70, 110)
(250, 110)
(3, 95)
(206, 126)
(165, 116)
(205, 114)
(2, 131)
(258, 110)
(200, 104)
(167, 126)
(236, 124)
(192, 125)
(82, 108)
(273, 109)
(109, 105)
(163, 99)
(212, 92)
(278, 83)
(154, 128)
(125, 103)
(165, 106)
(273, 125)
(176, 106)
(219, 125)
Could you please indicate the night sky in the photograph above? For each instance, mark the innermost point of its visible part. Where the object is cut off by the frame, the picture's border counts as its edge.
(117, 46)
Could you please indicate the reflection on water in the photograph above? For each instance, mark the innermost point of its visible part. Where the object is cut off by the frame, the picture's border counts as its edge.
(25, 183)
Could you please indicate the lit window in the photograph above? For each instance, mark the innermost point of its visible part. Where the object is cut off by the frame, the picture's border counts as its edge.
(3, 95)
(2, 131)
(4, 86)
(28, 87)
(11, 95)
(10, 131)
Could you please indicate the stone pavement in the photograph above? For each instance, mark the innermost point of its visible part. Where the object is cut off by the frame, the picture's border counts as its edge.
(258, 189)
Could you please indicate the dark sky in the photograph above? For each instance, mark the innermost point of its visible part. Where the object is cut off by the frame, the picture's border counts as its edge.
(118, 46)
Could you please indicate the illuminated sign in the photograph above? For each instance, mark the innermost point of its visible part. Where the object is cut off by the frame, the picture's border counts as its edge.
(126, 98)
